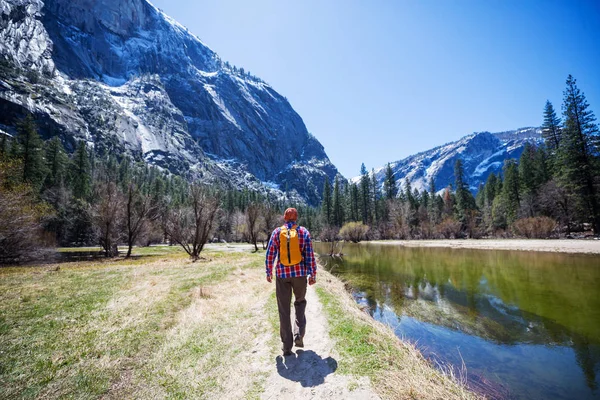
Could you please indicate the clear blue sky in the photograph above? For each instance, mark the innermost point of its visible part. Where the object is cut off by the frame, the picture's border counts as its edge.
(378, 80)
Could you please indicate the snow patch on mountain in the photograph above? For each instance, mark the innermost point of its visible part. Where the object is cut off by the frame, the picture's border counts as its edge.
(482, 153)
(125, 77)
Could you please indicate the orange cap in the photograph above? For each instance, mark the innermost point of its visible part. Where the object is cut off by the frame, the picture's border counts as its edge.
(291, 214)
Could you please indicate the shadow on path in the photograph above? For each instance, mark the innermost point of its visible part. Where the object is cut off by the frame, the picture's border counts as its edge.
(306, 367)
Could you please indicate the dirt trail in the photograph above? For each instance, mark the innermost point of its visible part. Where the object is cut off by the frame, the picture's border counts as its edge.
(310, 373)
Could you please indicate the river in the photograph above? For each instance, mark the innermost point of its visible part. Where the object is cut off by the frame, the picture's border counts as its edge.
(512, 324)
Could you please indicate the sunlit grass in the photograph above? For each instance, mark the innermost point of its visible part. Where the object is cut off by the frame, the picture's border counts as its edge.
(368, 348)
(97, 328)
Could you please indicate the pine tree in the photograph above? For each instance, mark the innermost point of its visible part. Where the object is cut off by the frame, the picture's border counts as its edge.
(81, 170)
(490, 189)
(389, 184)
(541, 166)
(464, 198)
(551, 131)
(510, 190)
(527, 175)
(578, 152)
(338, 204)
(433, 212)
(528, 182)
(327, 203)
(365, 194)
(355, 203)
(56, 162)
(375, 195)
(30, 150)
(408, 194)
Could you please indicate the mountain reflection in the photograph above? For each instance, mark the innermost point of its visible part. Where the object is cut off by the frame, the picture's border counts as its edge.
(506, 298)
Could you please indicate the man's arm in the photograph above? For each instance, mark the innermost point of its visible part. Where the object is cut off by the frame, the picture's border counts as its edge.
(309, 259)
(271, 255)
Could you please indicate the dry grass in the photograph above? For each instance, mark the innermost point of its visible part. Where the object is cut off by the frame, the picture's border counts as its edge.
(368, 348)
(151, 327)
(160, 326)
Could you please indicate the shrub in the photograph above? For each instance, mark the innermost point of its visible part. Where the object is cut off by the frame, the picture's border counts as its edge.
(354, 231)
(21, 215)
(449, 228)
(536, 227)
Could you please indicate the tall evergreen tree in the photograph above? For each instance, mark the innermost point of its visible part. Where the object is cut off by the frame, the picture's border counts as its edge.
(31, 151)
(490, 189)
(579, 152)
(56, 162)
(81, 172)
(408, 193)
(389, 184)
(464, 198)
(355, 209)
(365, 194)
(433, 212)
(338, 204)
(510, 190)
(528, 179)
(375, 195)
(551, 130)
(327, 203)
(527, 175)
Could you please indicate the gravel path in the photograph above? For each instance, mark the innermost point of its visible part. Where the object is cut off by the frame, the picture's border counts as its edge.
(310, 373)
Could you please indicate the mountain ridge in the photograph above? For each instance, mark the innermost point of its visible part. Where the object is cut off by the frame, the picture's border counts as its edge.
(482, 153)
(126, 77)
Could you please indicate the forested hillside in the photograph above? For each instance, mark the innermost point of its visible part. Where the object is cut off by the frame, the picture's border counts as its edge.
(552, 189)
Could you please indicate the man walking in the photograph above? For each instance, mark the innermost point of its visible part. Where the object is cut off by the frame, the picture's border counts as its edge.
(290, 245)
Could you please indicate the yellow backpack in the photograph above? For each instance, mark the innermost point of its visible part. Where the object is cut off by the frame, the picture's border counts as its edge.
(289, 246)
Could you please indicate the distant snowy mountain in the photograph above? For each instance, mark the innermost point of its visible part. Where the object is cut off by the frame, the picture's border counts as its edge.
(124, 76)
(482, 153)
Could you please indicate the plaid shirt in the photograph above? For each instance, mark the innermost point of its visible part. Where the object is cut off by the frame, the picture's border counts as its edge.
(307, 266)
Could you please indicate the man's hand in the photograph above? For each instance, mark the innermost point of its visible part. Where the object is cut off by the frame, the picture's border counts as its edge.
(269, 278)
(311, 280)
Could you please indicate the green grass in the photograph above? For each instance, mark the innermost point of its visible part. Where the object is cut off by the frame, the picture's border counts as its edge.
(363, 353)
(70, 333)
(367, 348)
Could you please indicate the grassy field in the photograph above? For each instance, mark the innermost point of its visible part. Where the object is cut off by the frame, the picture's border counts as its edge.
(152, 326)
(160, 326)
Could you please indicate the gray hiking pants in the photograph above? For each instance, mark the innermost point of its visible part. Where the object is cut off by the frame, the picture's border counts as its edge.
(283, 290)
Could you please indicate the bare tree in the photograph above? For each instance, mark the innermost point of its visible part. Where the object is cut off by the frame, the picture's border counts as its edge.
(139, 209)
(107, 214)
(270, 221)
(190, 226)
(253, 225)
(331, 235)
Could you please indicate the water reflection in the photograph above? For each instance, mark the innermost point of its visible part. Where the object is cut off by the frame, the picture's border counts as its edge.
(528, 321)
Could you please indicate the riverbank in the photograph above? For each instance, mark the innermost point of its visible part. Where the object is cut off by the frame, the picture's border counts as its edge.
(583, 246)
(160, 326)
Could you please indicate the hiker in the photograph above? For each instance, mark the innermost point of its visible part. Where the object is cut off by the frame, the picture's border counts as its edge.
(291, 247)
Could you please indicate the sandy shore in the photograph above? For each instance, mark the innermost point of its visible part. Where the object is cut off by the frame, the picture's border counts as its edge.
(559, 245)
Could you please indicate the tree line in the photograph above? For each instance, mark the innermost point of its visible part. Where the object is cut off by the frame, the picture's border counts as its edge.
(552, 189)
(50, 198)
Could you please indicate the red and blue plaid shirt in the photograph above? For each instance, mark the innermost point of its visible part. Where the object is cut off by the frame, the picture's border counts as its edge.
(307, 266)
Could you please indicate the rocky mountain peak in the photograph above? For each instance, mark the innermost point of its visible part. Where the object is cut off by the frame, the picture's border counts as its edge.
(124, 76)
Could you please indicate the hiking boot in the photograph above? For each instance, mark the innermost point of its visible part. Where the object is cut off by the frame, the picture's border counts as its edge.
(298, 341)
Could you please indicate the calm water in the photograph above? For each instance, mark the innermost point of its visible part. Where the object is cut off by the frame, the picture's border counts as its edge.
(526, 324)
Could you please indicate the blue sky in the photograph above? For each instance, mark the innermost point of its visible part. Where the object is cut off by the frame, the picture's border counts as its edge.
(376, 81)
